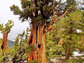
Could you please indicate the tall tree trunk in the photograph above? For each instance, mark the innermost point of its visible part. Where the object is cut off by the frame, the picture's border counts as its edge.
(44, 50)
(32, 41)
(41, 46)
(37, 37)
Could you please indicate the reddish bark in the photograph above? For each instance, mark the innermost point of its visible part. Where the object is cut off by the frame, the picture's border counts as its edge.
(4, 42)
(32, 41)
(44, 50)
(37, 37)
(41, 46)
(67, 55)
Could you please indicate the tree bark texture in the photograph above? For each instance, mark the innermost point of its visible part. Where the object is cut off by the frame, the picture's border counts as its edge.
(41, 46)
(32, 41)
(4, 42)
(37, 38)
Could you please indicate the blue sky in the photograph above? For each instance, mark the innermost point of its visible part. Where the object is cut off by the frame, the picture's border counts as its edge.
(6, 14)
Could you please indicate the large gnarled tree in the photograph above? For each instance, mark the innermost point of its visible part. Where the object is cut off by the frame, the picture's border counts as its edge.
(42, 14)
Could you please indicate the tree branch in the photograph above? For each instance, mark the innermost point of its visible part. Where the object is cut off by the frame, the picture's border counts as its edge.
(53, 21)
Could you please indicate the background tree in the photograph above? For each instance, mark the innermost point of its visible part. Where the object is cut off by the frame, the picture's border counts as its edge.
(21, 47)
(5, 30)
(65, 37)
(71, 38)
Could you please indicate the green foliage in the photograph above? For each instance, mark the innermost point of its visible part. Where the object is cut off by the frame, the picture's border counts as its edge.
(34, 61)
(7, 27)
(9, 51)
(31, 48)
(1, 26)
(65, 28)
(38, 10)
(16, 9)
(55, 51)
(20, 47)
(20, 50)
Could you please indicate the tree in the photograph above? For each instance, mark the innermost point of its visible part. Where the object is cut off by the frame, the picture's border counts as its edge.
(21, 47)
(42, 14)
(18, 53)
(5, 30)
(66, 35)
(72, 40)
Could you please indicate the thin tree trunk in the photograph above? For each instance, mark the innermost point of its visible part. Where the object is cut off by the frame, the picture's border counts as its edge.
(4, 42)
(67, 55)
(2, 46)
(5, 46)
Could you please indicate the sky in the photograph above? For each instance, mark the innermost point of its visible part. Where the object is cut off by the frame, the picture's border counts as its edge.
(6, 14)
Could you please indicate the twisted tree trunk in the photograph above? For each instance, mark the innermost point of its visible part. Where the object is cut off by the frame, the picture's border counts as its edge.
(37, 38)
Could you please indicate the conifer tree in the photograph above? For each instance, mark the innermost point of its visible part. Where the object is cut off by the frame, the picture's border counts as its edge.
(20, 47)
(42, 14)
(5, 30)
(66, 35)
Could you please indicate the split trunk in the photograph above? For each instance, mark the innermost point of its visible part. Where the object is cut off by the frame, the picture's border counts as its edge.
(37, 38)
